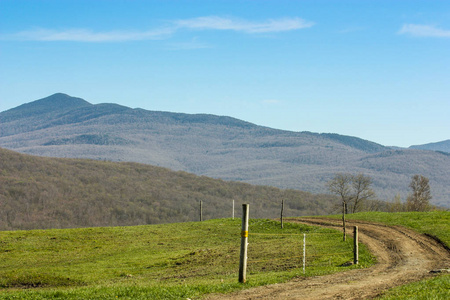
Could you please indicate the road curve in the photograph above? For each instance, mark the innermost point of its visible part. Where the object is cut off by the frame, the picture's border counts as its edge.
(403, 256)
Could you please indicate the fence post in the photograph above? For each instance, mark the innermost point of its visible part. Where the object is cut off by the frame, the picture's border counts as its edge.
(232, 214)
(244, 244)
(282, 208)
(304, 252)
(343, 219)
(201, 210)
(355, 246)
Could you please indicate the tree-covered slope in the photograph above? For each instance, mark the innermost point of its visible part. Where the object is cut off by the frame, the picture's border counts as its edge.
(39, 192)
(443, 146)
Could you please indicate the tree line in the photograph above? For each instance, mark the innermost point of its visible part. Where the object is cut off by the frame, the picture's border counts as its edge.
(355, 193)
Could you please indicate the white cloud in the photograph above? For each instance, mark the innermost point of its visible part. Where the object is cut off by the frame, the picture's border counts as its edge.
(219, 23)
(201, 23)
(424, 31)
(84, 35)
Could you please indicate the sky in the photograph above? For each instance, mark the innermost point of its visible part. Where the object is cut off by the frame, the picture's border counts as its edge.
(378, 70)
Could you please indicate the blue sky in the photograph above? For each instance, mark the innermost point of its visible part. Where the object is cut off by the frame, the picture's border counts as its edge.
(378, 70)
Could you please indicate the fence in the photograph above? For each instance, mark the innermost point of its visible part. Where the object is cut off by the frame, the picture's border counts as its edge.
(296, 250)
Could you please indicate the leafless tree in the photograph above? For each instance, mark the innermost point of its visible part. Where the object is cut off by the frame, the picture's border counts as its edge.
(341, 186)
(397, 205)
(353, 191)
(419, 199)
(361, 191)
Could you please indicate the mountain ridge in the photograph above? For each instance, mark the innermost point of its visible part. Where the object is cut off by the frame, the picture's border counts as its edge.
(55, 102)
(443, 146)
(220, 147)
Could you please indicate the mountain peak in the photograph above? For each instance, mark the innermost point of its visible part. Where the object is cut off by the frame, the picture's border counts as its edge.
(58, 102)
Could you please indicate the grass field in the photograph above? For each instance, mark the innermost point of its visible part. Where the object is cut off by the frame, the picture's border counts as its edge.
(187, 260)
(435, 288)
(435, 223)
(172, 261)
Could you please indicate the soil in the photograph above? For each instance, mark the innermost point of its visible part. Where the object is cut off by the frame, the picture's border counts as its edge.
(403, 256)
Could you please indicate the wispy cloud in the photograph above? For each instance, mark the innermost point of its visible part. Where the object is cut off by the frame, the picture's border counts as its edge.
(219, 23)
(85, 35)
(424, 31)
(201, 23)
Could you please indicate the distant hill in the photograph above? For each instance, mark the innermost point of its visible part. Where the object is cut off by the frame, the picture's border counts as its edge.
(443, 146)
(40, 192)
(215, 146)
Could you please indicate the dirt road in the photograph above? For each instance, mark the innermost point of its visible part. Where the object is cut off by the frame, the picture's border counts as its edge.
(403, 256)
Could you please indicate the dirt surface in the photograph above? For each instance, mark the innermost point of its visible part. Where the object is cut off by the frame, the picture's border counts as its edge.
(403, 256)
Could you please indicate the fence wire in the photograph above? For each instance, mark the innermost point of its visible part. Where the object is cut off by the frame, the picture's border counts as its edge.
(322, 249)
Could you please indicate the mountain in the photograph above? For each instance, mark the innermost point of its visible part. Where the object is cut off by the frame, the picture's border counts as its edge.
(57, 103)
(443, 146)
(215, 146)
(41, 192)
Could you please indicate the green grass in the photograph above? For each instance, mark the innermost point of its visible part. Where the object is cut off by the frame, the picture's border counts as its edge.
(435, 223)
(172, 261)
(435, 288)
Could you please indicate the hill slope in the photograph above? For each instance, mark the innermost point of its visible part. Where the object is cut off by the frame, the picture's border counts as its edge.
(215, 146)
(443, 146)
(39, 192)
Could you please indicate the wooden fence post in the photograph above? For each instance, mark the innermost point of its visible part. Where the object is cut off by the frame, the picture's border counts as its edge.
(201, 210)
(244, 244)
(282, 208)
(344, 208)
(355, 246)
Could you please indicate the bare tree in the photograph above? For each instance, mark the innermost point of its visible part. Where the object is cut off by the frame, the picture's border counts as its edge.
(361, 191)
(341, 186)
(353, 191)
(419, 199)
(397, 205)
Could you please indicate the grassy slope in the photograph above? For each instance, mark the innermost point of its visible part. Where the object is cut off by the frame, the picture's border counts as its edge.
(176, 261)
(172, 261)
(435, 223)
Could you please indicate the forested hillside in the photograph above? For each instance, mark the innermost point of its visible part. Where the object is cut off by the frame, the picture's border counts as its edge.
(39, 192)
(443, 146)
(216, 146)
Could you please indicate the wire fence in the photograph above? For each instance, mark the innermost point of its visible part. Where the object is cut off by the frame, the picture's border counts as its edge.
(298, 250)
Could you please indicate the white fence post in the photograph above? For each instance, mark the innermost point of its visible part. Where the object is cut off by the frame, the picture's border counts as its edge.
(304, 252)
(232, 214)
